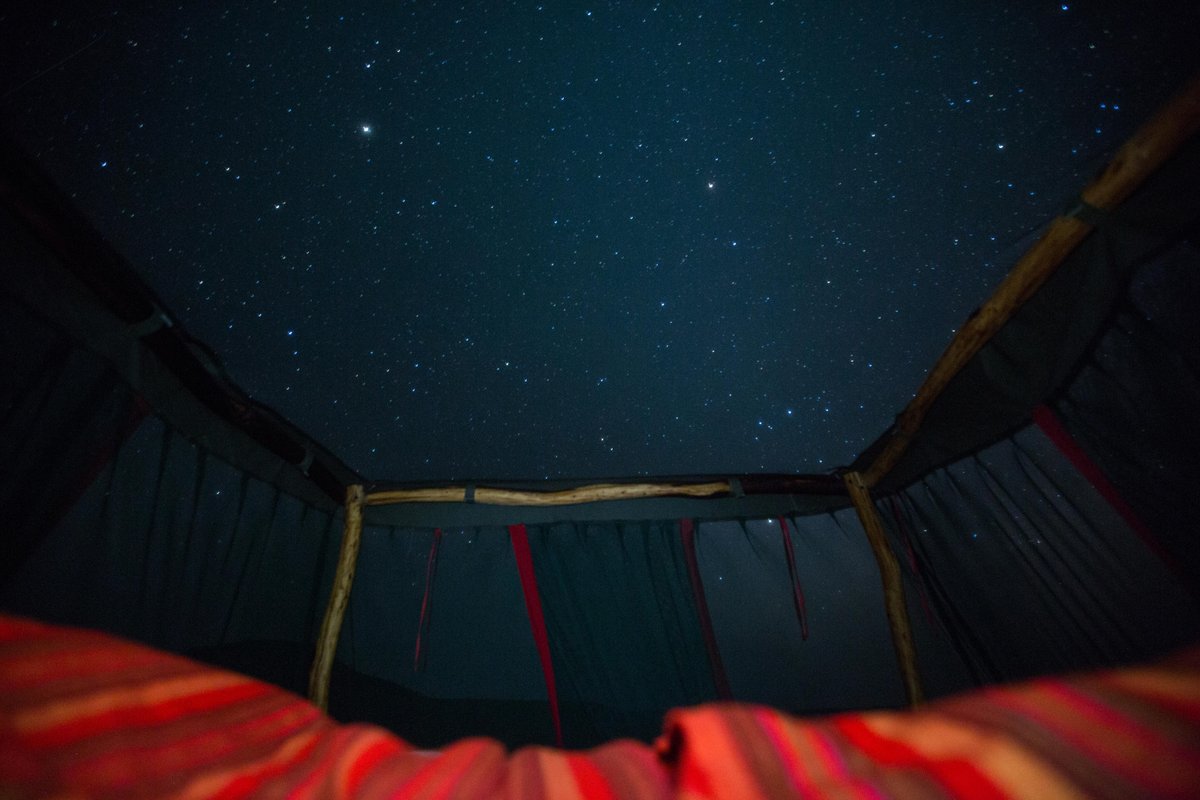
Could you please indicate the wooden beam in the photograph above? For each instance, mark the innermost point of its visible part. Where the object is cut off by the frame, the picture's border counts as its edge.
(580, 494)
(1153, 143)
(432, 494)
(893, 587)
(339, 597)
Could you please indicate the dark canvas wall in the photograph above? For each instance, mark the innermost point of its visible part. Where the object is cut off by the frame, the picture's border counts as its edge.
(1030, 570)
(172, 546)
(1133, 407)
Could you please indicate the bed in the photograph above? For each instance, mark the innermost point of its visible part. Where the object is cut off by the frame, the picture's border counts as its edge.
(85, 714)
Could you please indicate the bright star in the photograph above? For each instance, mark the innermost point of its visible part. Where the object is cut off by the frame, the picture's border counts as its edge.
(365, 130)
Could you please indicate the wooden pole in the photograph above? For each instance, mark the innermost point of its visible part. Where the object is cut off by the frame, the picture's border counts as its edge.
(580, 494)
(893, 587)
(339, 597)
(1146, 151)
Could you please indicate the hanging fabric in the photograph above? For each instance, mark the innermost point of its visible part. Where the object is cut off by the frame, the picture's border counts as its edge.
(910, 554)
(1056, 432)
(423, 623)
(533, 605)
(687, 533)
(797, 590)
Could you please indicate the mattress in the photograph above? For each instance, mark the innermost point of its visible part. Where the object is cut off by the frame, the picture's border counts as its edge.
(85, 714)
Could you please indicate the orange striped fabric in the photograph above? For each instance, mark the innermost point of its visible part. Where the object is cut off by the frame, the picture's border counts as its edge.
(83, 714)
(1131, 733)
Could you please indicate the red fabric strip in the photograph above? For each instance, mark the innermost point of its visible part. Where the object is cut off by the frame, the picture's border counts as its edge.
(789, 759)
(1055, 431)
(365, 762)
(306, 777)
(913, 564)
(797, 590)
(145, 715)
(960, 777)
(434, 778)
(1065, 716)
(589, 780)
(190, 745)
(687, 532)
(250, 781)
(90, 660)
(423, 623)
(533, 604)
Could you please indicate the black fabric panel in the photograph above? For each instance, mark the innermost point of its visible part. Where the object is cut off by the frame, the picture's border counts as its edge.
(1032, 572)
(1134, 406)
(62, 414)
(173, 374)
(478, 644)
(847, 661)
(178, 549)
(624, 634)
(386, 601)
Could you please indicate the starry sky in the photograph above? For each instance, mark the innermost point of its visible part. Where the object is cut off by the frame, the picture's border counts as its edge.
(551, 240)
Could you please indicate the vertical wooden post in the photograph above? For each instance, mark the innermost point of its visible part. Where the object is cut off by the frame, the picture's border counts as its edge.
(335, 612)
(893, 588)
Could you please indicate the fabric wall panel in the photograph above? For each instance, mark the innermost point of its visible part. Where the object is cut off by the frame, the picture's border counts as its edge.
(1133, 407)
(623, 630)
(1031, 571)
(174, 547)
(847, 661)
(385, 603)
(478, 642)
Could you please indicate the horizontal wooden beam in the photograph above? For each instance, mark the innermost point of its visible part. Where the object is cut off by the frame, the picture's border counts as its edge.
(593, 493)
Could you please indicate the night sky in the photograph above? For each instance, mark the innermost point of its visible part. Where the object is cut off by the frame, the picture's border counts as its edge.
(521, 240)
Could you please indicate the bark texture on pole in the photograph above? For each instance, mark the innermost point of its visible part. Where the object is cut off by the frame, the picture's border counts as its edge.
(593, 493)
(893, 587)
(339, 597)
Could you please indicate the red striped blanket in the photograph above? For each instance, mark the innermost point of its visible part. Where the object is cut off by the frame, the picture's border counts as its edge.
(83, 714)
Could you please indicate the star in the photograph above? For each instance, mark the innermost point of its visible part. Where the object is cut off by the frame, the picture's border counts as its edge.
(365, 129)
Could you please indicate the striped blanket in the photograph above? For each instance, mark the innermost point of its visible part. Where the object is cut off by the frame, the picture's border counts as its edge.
(83, 714)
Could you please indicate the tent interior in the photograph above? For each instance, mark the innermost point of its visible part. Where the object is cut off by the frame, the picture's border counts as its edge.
(1041, 512)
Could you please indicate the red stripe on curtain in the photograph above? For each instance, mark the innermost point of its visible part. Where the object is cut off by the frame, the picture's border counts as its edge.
(797, 590)
(687, 532)
(423, 623)
(533, 605)
(1055, 431)
(911, 554)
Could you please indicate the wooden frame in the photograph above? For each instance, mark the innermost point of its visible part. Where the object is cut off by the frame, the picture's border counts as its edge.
(335, 612)
(1146, 151)
(893, 586)
(592, 493)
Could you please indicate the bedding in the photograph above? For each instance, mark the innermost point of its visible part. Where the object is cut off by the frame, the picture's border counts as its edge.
(84, 714)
